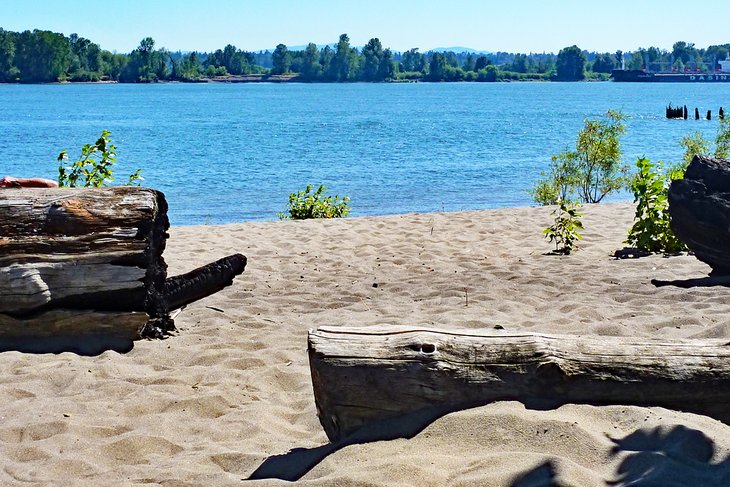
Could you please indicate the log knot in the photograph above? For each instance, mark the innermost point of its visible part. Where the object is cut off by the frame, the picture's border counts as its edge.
(424, 348)
(551, 372)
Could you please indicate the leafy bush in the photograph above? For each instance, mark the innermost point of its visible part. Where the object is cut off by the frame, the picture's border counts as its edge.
(696, 145)
(592, 170)
(722, 139)
(307, 204)
(651, 231)
(565, 230)
(87, 171)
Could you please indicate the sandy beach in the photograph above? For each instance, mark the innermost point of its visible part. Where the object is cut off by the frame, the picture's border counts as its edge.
(229, 397)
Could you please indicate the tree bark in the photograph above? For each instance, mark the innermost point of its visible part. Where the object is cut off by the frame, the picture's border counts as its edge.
(88, 261)
(366, 375)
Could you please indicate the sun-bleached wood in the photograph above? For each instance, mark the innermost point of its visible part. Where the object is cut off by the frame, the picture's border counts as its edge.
(88, 261)
(366, 375)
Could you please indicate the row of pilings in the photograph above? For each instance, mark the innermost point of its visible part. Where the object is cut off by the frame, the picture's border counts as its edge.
(681, 112)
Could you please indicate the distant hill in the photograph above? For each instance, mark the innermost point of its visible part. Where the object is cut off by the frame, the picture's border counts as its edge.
(467, 50)
(333, 45)
(300, 48)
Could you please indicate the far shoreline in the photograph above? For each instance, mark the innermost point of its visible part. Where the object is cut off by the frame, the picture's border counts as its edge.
(293, 78)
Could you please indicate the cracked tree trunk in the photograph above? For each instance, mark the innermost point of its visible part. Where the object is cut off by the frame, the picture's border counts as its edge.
(368, 375)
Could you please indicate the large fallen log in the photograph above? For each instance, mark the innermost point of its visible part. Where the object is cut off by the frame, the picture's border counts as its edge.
(87, 262)
(368, 375)
(699, 206)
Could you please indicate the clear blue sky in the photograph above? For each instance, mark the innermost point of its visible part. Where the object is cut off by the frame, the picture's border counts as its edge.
(502, 25)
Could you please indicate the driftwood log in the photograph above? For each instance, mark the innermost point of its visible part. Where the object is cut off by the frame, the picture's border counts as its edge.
(699, 206)
(369, 375)
(80, 263)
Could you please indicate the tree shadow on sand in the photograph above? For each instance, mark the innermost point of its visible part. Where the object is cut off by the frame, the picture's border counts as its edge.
(661, 457)
(669, 456)
(674, 456)
(541, 476)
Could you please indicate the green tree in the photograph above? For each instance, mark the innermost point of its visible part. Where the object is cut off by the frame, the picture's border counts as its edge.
(372, 54)
(42, 56)
(592, 170)
(519, 65)
(481, 63)
(571, 64)
(437, 67)
(145, 65)
(189, 68)
(469, 62)
(113, 65)
(311, 68)
(8, 71)
(451, 59)
(684, 52)
(345, 60)
(281, 60)
(230, 60)
(413, 61)
(326, 59)
(604, 63)
(386, 68)
(489, 74)
(637, 60)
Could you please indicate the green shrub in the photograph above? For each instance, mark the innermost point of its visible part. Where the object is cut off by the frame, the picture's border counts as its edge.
(696, 145)
(722, 139)
(651, 231)
(90, 172)
(307, 204)
(592, 170)
(565, 230)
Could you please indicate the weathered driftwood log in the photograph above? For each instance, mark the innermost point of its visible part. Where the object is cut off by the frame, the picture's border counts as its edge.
(368, 375)
(88, 262)
(699, 206)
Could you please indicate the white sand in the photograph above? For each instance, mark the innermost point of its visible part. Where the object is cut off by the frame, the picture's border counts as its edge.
(231, 394)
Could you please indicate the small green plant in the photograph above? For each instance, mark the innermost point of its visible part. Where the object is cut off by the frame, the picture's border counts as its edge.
(592, 170)
(307, 204)
(89, 171)
(565, 231)
(651, 231)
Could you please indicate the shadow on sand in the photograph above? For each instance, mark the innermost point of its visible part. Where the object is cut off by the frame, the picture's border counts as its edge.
(294, 465)
(664, 456)
(90, 345)
(708, 281)
(674, 456)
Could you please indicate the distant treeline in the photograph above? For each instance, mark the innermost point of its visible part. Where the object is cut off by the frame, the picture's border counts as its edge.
(42, 56)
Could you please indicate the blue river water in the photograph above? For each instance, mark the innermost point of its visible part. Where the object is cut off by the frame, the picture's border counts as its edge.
(233, 152)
